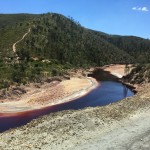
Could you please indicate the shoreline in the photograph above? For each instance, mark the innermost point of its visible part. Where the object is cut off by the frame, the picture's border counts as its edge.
(11, 110)
(119, 72)
(37, 99)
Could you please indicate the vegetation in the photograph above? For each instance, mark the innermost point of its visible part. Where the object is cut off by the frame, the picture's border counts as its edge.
(57, 37)
(140, 74)
(136, 47)
(15, 19)
(57, 43)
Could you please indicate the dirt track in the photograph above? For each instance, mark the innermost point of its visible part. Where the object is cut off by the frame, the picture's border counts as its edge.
(14, 45)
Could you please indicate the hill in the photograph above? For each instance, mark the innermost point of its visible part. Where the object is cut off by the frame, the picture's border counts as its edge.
(54, 36)
(136, 47)
(56, 43)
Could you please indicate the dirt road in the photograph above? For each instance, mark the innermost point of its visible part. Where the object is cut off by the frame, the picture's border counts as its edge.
(132, 133)
(14, 45)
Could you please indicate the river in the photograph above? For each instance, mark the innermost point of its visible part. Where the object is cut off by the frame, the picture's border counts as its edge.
(107, 92)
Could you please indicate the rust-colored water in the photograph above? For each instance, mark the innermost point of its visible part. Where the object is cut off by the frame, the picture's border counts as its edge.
(105, 94)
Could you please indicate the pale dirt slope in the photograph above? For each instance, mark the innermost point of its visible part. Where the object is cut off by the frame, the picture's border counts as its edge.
(48, 94)
(117, 70)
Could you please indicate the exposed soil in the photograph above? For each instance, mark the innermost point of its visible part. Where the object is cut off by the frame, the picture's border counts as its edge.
(118, 70)
(14, 45)
(46, 94)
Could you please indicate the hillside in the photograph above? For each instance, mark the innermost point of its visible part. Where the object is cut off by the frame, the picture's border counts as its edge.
(136, 47)
(57, 37)
(56, 43)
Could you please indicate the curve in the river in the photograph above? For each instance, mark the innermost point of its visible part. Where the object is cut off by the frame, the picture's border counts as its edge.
(108, 92)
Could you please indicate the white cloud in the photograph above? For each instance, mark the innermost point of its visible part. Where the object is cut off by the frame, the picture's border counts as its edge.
(134, 8)
(145, 9)
(140, 8)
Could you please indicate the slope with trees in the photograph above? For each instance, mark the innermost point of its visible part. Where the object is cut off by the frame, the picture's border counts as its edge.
(56, 43)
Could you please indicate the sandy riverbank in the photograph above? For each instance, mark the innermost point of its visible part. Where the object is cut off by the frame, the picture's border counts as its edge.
(56, 92)
(118, 70)
(49, 94)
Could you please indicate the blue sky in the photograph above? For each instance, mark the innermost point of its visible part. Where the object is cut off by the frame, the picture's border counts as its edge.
(123, 17)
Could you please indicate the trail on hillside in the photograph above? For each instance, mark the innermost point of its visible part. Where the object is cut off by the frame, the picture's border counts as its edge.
(14, 45)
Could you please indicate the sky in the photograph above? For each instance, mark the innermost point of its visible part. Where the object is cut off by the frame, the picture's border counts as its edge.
(120, 17)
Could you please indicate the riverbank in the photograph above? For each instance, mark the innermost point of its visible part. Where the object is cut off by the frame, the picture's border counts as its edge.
(116, 70)
(38, 96)
(48, 94)
(120, 71)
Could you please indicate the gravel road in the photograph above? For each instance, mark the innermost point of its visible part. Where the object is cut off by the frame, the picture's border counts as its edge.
(129, 134)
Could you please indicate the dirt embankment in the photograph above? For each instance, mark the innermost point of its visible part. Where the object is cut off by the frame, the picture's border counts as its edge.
(110, 72)
(118, 73)
(45, 94)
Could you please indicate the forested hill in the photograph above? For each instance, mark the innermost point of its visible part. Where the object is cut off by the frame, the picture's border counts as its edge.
(54, 36)
(62, 42)
(137, 47)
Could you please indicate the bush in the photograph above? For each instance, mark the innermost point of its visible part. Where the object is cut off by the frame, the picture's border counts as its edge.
(4, 84)
(56, 72)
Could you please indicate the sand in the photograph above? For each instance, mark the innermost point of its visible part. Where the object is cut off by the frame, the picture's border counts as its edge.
(118, 70)
(49, 94)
